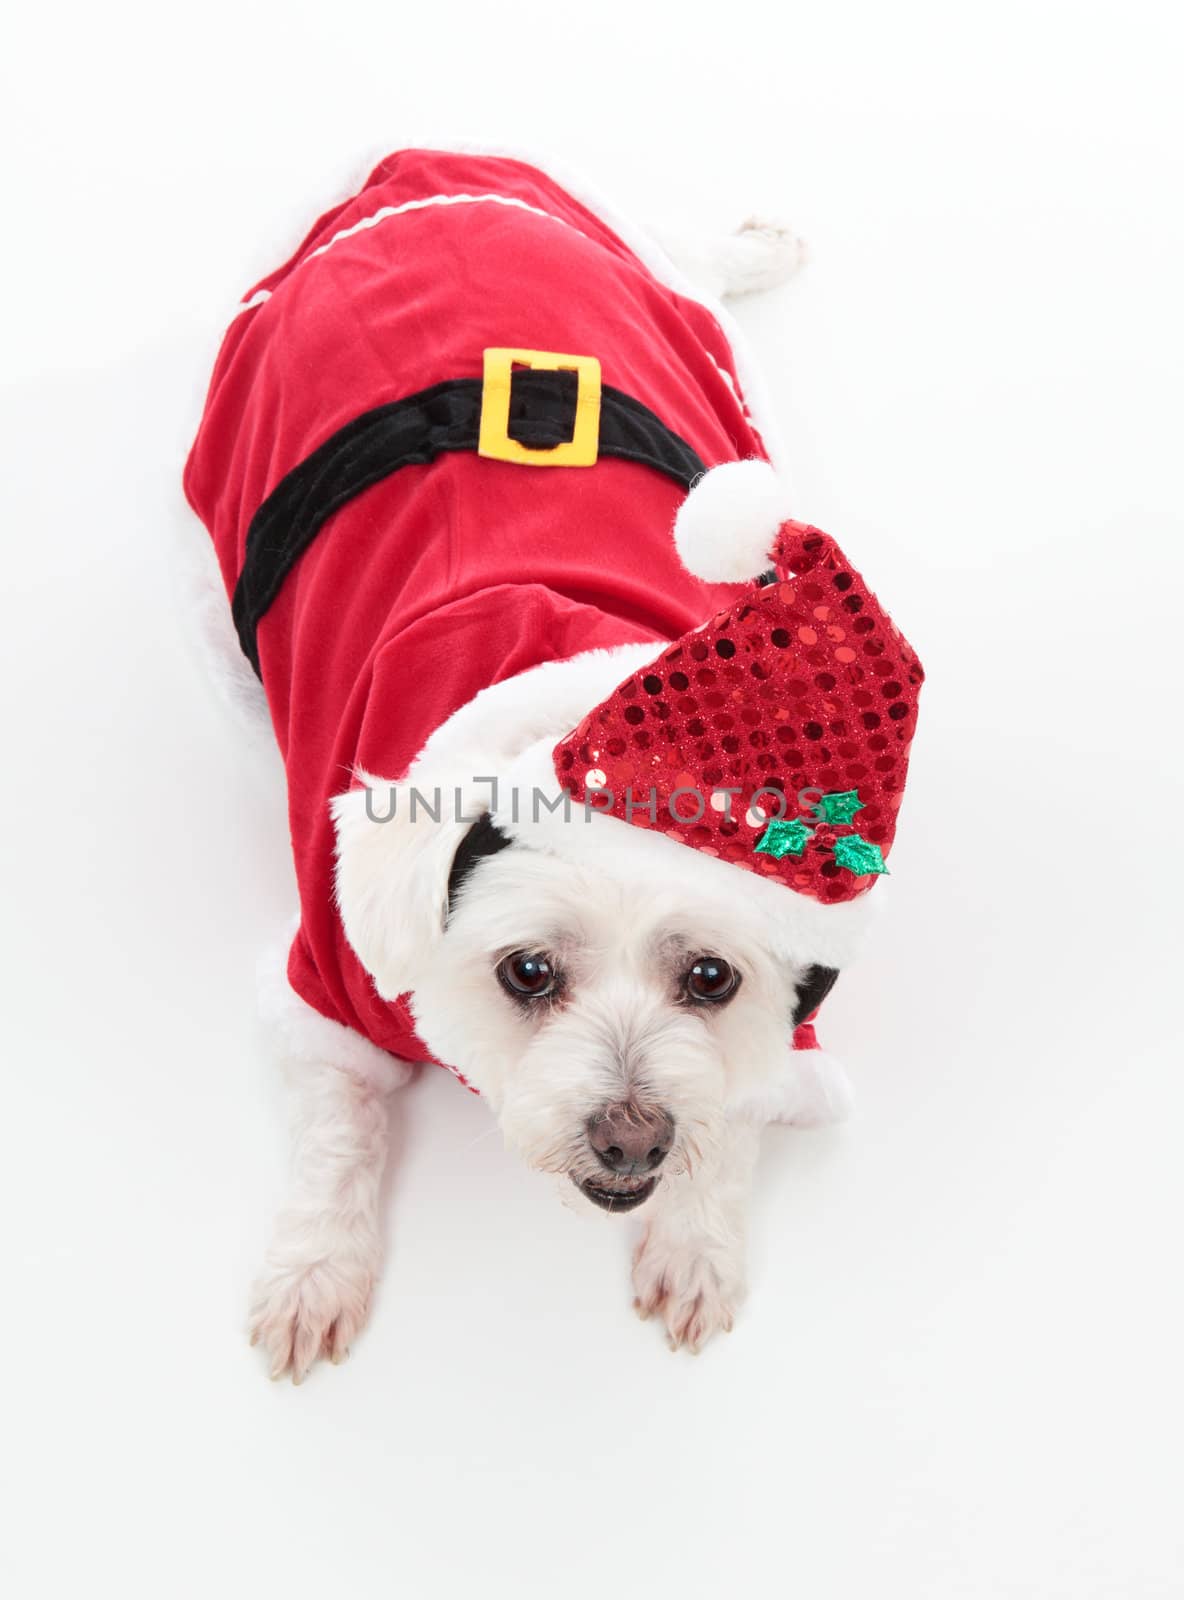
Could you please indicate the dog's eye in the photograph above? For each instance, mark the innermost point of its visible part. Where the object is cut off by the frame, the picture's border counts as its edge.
(529, 976)
(710, 981)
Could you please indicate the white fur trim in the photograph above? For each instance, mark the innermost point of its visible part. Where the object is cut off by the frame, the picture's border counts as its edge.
(799, 928)
(726, 527)
(306, 1038)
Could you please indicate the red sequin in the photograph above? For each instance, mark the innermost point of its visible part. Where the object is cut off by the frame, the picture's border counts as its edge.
(770, 692)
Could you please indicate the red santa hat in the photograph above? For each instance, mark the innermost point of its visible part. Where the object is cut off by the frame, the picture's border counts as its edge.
(773, 739)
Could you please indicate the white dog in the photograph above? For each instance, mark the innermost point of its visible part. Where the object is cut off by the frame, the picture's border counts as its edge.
(608, 868)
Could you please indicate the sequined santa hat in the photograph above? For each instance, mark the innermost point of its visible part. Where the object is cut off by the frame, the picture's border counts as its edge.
(775, 738)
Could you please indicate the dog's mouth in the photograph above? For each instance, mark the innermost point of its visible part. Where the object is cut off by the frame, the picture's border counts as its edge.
(624, 1196)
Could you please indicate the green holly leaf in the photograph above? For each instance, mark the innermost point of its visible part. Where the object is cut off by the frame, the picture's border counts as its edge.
(839, 807)
(784, 839)
(859, 855)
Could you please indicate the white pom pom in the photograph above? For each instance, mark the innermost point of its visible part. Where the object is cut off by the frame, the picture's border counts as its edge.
(725, 528)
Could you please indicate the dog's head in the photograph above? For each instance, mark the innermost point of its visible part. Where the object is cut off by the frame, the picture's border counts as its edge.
(609, 1012)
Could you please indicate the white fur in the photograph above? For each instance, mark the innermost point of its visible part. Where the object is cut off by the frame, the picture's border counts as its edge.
(725, 528)
(392, 877)
(313, 1293)
(209, 632)
(622, 944)
(689, 1266)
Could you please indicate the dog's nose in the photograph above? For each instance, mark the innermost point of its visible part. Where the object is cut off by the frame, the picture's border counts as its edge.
(631, 1139)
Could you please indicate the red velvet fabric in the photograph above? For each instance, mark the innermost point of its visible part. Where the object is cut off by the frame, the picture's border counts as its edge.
(451, 576)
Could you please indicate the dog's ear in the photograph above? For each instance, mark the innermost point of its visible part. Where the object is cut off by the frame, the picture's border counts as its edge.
(813, 987)
(402, 852)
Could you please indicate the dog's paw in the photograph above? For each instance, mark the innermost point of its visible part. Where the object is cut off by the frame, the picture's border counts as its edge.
(687, 1288)
(301, 1312)
(759, 255)
(810, 1090)
(821, 1094)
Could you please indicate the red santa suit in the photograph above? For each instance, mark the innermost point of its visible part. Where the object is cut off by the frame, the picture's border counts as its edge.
(382, 571)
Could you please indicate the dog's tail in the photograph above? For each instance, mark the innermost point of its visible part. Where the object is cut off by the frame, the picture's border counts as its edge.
(759, 255)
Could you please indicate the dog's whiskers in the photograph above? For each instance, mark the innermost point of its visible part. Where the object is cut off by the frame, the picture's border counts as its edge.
(488, 1134)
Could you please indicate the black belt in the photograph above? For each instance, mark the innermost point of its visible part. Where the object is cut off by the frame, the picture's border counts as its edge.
(414, 431)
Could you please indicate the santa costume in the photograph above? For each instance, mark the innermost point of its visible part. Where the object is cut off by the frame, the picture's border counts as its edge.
(447, 442)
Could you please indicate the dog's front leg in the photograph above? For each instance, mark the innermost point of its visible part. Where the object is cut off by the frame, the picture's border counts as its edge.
(689, 1264)
(313, 1294)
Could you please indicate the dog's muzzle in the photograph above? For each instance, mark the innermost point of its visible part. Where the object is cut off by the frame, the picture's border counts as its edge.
(630, 1142)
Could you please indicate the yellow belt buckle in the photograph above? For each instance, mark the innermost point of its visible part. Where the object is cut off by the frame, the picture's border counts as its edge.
(494, 440)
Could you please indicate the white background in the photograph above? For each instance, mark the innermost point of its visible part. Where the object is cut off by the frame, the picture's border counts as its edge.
(959, 1371)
